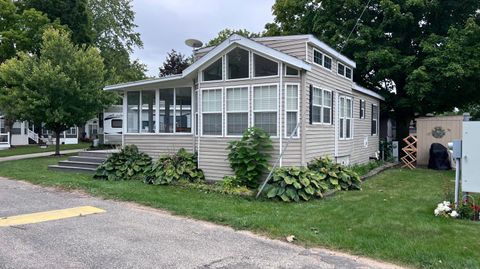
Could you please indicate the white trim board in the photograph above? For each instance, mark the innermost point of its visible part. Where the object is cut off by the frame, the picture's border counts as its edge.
(366, 91)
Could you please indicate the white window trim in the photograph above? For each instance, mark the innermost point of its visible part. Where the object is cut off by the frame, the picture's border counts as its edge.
(364, 108)
(208, 65)
(196, 115)
(313, 57)
(250, 59)
(338, 69)
(376, 120)
(201, 113)
(266, 57)
(346, 117)
(278, 106)
(225, 124)
(291, 76)
(321, 122)
(331, 62)
(351, 73)
(287, 135)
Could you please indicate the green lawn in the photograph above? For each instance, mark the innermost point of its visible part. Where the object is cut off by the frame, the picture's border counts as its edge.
(391, 219)
(27, 149)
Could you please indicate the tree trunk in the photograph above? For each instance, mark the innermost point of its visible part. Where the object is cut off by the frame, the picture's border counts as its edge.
(403, 130)
(57, 143)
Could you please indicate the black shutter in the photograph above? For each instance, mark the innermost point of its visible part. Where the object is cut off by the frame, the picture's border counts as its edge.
(371, 122)
(360, 111)
(310, 114)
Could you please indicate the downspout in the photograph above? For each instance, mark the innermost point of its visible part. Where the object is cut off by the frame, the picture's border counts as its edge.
(281, 113)
(335, 113)
(124, 121)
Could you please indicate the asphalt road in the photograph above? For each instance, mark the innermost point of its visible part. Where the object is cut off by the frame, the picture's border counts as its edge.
(131, 236)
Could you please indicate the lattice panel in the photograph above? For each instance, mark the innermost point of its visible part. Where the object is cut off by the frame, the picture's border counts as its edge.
(410, 150)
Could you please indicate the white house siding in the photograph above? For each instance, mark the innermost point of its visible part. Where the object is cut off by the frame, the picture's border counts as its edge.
(156, 145)
(292, 47)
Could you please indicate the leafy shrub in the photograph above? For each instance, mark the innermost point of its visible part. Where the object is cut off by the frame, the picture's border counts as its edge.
(295, 183)
(218, 187)
(172, 168)
(363, 169)
(249, 156)
(128, 164)
(338, 176)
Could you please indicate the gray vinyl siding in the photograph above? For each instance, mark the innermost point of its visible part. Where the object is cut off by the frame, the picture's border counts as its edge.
(156, 145)
(362, 130)
(214, 156)
(292, 47)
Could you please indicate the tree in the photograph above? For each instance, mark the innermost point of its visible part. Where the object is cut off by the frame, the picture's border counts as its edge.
(72, 13)
(175, 63)
(61, 87)
(113, 23)
(19, 31)
(226, 33)
(394, 47)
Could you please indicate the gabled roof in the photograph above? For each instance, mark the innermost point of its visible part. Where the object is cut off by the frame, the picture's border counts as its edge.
(367, 91)
(243, 41)
(232, 40)
(316, 42)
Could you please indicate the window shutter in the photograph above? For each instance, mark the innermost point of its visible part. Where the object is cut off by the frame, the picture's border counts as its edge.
(371, 122)
(310, 114)
(360, 111)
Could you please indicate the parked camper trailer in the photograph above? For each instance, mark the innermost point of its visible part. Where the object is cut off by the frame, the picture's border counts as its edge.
(112, 125)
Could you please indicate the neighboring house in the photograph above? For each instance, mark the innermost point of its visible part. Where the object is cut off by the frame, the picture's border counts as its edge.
(24, 133)
(271, 82)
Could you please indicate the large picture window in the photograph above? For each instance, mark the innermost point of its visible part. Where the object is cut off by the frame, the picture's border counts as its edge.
(264, 67)
(237, 110)
(321, 106)
(346, 117)
(148, 112)
(133, 100)
(212, 112)
(183, 110)
(374, 119)
(291, 109)
(265, 108)
(213, 72)
(166, 111)
(238, 62)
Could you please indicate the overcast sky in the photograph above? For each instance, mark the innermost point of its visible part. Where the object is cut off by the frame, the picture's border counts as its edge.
(166, 24)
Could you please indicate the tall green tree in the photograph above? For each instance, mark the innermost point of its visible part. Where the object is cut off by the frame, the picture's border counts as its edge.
(72, 13)
(174, 63)
(116, 37)
(226, 33)
(395, 45)
(61, 87)
(20, 30)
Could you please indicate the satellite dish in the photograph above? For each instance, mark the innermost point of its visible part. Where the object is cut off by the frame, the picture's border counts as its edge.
(194, 43)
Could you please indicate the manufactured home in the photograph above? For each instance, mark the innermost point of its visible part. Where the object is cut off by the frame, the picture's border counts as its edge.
(297, 88)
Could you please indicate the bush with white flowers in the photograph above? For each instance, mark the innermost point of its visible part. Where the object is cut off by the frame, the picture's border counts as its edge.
(445, 209)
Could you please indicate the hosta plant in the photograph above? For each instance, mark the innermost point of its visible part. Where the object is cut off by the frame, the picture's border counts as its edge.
(172, 168)
(128, 164)
(337, 176)
(295, 184)
(249, 156)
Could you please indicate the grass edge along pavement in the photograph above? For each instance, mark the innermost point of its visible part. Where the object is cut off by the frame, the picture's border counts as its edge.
(391, 219)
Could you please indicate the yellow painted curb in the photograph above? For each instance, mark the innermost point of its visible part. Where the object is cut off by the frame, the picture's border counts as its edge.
(49, 215)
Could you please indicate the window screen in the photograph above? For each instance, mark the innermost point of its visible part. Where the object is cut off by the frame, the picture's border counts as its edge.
(212, 112)
(237, 110)
(265, 108)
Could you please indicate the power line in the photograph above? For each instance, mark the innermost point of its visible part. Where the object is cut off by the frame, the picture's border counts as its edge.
(356, 23)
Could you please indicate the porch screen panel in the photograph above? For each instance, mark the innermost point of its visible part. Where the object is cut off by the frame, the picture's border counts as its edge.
(183, 106)
(133, 100)
(212, 112)
(166, 111)
(265, 108)
(237, 110)
(291, 108)
(148, 112)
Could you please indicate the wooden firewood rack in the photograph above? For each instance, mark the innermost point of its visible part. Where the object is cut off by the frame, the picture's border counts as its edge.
(410, 150)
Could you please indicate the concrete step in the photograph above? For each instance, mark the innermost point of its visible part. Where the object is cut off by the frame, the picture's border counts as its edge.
(79, 164)
(71, 169)
(96, 154)
(87, 159)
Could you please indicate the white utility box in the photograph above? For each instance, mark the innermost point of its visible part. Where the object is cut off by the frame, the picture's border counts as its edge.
(471, 156)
